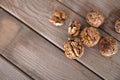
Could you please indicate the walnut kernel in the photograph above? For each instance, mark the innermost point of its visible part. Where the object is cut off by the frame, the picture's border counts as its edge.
(108, 46)
(73, 48)
(95, 18)
(90, 36)
(117, 26)
(74, 28)
(58, 18)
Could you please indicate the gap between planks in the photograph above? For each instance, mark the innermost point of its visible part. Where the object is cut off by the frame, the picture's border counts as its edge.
(16, 67)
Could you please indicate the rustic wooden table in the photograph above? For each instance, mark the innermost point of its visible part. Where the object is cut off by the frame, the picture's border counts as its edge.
(31, 48)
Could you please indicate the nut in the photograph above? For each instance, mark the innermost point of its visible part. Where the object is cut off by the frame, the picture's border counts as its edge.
(73, 48)
(117, 26)
(74, 28)
(58, 18)
(90, 36)
(95, 18)
(108, 46)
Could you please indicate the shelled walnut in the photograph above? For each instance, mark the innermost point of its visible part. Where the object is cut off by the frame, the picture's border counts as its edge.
(58, 18)
(95, 18)
(90, 36)
(74, 28)
(117, 26)
(108, 46)
(73, 48)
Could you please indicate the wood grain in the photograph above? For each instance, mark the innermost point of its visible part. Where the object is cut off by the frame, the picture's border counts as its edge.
(109, 8)
(39, 58)
(9, 72)
(36, 16)
(5, 29)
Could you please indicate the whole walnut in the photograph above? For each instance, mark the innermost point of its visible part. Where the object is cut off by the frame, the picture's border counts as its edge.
(73, 48)
(58, 18)
(95, 18)
(108, 46)
(90, 36)
(74, 28)
(117, 26)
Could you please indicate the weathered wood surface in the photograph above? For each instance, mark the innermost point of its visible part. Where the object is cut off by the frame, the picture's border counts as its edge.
(37, 57)
(9, 72)
(109, 8)
(36, 15)
(7, 31)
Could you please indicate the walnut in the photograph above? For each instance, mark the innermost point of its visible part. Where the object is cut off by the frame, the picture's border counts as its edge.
(117, 26)
(58, 18)
(108, 46)
(95, 18)
(73, 48)
(90, 36)
(74, 28)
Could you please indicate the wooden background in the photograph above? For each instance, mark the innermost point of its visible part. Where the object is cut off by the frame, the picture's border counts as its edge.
(31, 48)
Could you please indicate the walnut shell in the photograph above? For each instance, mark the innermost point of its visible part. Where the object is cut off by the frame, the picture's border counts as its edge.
(95, 18)
(90, 36)
(117, 26)
(74, 28)
(108, 46)
(58, 18)
(73, 48)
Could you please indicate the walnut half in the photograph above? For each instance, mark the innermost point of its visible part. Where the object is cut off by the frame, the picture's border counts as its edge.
(58, 18)
(117, 26)
(90, 36)
(108, 46)
(74, 28)
(73, 48)
(95, 18)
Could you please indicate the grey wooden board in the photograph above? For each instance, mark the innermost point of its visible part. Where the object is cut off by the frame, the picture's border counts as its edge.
(9, 72)
(7, 34)
(39, 58)
(109, 8)
(36, 15)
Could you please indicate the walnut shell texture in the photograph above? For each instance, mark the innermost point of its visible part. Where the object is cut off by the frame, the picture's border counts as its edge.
(74, 28)
(95, 18)
(58, 18)
(117, 26)
(73, 48)
(108, 46)
(90, 36)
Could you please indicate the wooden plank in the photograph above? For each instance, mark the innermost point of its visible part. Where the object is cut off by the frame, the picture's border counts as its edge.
(109, 8)
(9, 72)
(39, 58)
(108, 68)
(7, 34)
(83, 7)
(37, 17)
